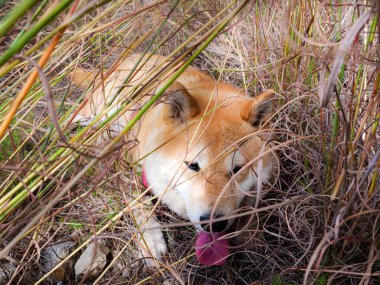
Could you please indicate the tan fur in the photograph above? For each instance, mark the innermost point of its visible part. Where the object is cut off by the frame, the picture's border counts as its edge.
(84, 78)
(214, 127)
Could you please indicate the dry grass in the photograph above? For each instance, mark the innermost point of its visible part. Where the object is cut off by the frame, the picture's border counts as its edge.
(322, 58)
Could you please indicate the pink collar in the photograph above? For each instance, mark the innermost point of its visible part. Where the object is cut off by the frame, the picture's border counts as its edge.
(144, 180)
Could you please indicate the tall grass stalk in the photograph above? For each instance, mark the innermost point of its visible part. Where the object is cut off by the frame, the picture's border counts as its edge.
(14, 15)
(26, 37)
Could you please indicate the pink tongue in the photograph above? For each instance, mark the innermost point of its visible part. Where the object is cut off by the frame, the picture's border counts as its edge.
(211, 249)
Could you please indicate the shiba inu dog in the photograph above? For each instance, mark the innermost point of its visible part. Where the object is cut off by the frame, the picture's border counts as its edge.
(199, 146)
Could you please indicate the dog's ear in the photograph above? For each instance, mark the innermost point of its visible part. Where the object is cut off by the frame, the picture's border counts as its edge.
(259, 109)
(181, 105)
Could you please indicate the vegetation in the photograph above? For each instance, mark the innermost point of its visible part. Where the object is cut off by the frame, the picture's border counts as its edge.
(57, 183)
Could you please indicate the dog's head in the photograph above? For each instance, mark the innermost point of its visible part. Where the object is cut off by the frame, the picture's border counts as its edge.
(213, 154)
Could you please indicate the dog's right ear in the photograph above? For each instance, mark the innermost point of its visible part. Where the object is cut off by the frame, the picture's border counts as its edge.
(181, 105)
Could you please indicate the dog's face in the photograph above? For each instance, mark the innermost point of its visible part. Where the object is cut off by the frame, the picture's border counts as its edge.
(214, 158)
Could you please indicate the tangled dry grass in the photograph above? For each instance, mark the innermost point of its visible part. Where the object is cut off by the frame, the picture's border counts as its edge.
(321, 222)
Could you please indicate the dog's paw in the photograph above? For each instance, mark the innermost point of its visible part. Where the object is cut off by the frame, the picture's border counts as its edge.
(152, 243)
(150, 239)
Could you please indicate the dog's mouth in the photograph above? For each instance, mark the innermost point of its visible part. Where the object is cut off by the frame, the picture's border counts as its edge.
(212, 248)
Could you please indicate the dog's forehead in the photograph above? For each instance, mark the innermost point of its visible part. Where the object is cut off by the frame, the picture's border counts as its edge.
(222, 132)
(222, 138)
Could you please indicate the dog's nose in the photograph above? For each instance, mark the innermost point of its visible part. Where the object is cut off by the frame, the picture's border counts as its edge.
(219, 226)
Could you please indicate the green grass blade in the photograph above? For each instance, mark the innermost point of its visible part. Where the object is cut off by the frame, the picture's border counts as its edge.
(15, 14)
(19, 44)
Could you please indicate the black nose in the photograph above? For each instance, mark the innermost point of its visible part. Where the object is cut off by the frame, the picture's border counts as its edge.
(219, 226)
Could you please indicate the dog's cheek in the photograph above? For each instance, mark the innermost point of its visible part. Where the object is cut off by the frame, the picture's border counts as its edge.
(239, 195)
(245, 184)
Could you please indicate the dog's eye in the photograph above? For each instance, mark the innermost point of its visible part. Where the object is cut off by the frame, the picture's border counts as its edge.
(193, 166)
(236, 169)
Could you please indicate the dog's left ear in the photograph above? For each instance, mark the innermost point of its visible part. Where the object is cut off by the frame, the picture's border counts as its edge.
(181, 105)
(259, 109)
